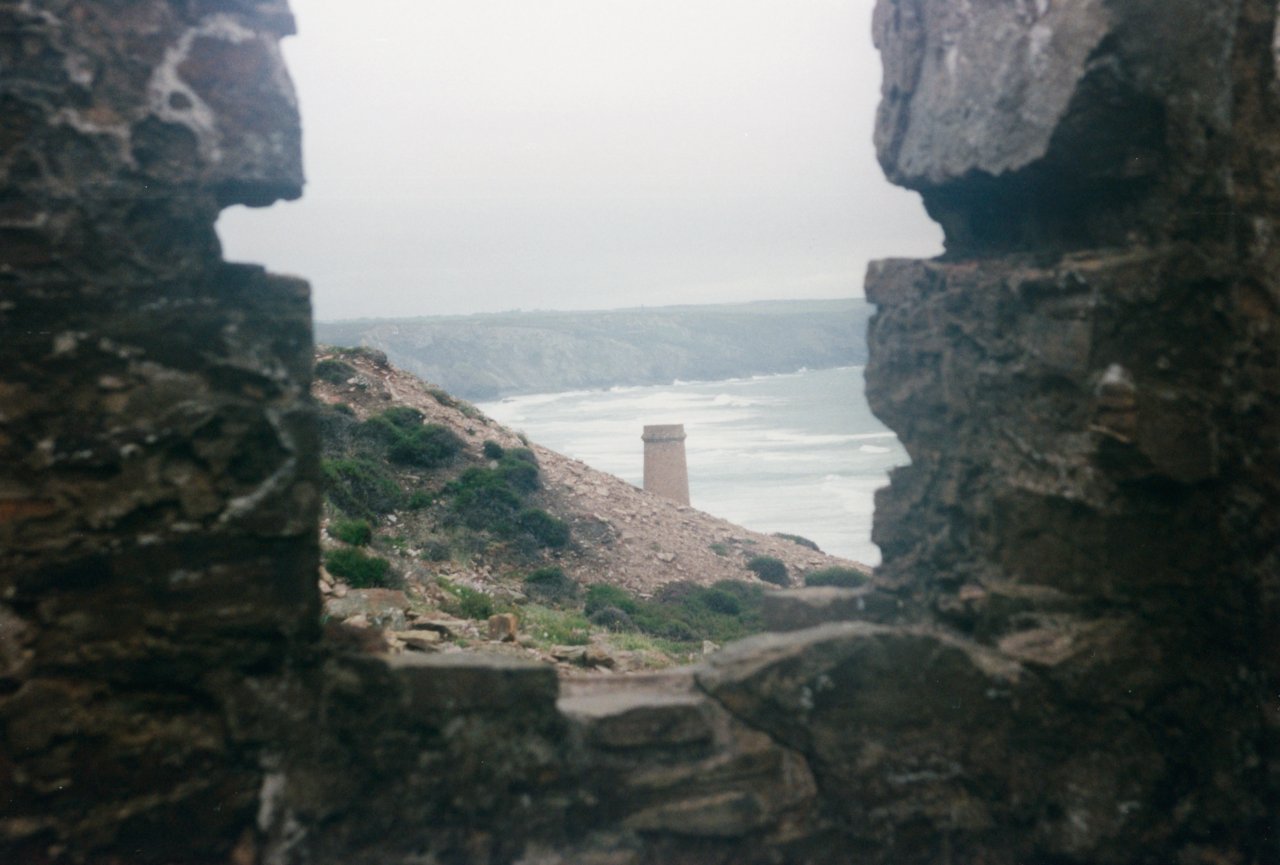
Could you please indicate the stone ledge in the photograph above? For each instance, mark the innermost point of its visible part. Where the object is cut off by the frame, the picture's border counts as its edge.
(641, 720)
(725, 815)
(797, 609)
(466, 682)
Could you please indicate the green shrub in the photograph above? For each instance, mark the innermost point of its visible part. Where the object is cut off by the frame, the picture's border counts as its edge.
(343, 408)
(518, 474)
(334, 371)
(681, 611)
(401, 436)
(419, 500)
(492, 500)
(466, 602)
(482, 500)
(492, 450)
(354, 532)
(797, 539)
(402, 417)
(769, 569)
(750, 597)
(720, 601)
(603, 595)
(660, 621)
(546, 530)
(425, 447)
(441, 396)
(677, 592)
(360, 487)
(555, 627)
(725, 611)
(358, 569)
(748, 593)
(471, 604)
(634, 641)
(550, 585)
(720, 549)
(523, 453)
(375, 435)
(336, 427)
(379, 432)
(435, 551)
(848, 578)
(612, 618)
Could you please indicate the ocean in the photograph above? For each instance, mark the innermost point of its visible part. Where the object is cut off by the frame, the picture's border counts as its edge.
(798, 453)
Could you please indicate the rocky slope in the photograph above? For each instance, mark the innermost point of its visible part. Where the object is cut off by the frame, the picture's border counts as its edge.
(618, 534)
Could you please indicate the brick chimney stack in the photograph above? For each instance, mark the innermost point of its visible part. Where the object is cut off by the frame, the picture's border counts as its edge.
(665, 470)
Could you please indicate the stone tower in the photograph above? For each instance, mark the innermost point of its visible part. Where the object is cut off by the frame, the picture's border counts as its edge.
(665, 470)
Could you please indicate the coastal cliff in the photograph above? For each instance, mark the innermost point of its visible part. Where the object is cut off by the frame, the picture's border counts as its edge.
(486, 356)
(596, 530)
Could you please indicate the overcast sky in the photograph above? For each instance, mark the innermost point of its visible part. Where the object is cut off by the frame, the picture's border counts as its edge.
(484, 155)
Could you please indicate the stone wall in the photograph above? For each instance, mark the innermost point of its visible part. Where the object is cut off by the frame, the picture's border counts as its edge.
(1068, 656)
(158, 495)
(1087, 385)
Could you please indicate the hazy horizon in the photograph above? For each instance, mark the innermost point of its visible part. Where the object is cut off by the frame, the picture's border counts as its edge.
(470, 156)
(570, 311)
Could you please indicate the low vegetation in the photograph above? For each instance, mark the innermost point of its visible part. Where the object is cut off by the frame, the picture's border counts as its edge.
(495, 500)
(465, 408)
(410, 501)
(395, 460)
(544, 529)
(360, 570)
(798, 539)
(360, 487)
(358, 533)
(769, 569)
(551, 626)
(466, 602)
(334, 371)
(550, 586)
(681, 611)
(848, 578)
(402, 437)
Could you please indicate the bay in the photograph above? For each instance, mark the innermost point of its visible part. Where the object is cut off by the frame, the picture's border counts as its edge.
(798, 453)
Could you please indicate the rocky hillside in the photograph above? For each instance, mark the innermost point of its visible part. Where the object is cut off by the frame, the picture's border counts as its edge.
(485, 356)
(427, 495)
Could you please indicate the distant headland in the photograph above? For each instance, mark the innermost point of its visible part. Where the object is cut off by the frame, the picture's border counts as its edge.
(499, 354)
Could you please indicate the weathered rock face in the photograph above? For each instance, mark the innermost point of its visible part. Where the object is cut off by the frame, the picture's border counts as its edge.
(157, 469)
(1038, 125)
(1087, 385)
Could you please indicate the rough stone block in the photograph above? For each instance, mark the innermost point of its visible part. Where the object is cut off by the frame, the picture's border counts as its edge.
(418, 641)
(504, 627)
(728, 814)
(640, 719)
(949, 72)
(797, 609)
(463, 682)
